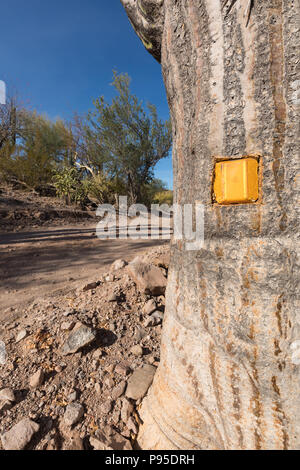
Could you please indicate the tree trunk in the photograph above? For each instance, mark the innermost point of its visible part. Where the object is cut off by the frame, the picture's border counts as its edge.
(230, 355)
(134, 189)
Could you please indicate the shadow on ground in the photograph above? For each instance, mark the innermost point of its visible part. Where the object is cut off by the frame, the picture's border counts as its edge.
(38, 262)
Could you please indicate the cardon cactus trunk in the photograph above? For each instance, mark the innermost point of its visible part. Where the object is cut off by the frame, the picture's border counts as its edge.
(230, 354)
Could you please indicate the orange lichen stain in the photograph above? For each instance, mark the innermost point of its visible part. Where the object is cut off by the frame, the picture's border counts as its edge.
(275, 386)
(281, 365)
(236, 403)
(254, 275)
(277, 349)
(249, 274)
(219, 252)
(277, 70)
(195, 385)
(256, 402)
(203, 294)
(247, 284)
(200, 269)
(212, 367)
(256, 312)
(278, 314)
(246, 281)
(245, 300)
(252, 249)
(174, 334)
(218, 314)
(244, 295)
(177, 296)
(251, 334)
(280, 418)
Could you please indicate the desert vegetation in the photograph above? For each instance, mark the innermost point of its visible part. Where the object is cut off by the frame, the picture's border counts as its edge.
(110, 150)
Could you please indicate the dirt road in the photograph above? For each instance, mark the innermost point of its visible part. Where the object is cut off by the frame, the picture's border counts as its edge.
(36, 263)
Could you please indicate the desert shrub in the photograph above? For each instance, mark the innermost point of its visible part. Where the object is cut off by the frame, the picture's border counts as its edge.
(102, 190)
(149, 190)
(33, 156)
(30, 169)
(69, 185)
(163, 197)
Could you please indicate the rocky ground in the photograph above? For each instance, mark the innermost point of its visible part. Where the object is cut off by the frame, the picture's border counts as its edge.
(75, 368)
(20, 209)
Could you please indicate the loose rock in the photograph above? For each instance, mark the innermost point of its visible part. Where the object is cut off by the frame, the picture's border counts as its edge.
(149, 307)
(113, 298)
(137, 350)
(5, 405)
(118, 264)
(140, 381)
(127, 410)
(73, 414)
(72, 396)
(122, 369)
(148, 277)
(114, 442)
(91, 286)
(67, 325)
(21, 335)
(20, 435)
(118, 390)
(37, 379)
(106, 407)
(97, 354)
(155, 319)
(68, 312)
(91, 376)
(132, 425)
(78, 339)
(139, 334)
(7, 394)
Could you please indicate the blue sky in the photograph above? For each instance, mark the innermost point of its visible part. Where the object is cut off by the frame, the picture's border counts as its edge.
(59, 56)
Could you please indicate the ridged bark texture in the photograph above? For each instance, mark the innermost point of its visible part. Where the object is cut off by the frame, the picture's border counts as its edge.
(230, 358)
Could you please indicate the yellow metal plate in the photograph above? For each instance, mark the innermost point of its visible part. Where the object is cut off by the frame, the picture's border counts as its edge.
(236, 181)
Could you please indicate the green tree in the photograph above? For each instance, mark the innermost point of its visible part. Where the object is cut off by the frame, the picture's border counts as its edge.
(129, 141)
(88, 151)
(39, 148)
